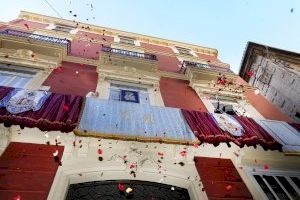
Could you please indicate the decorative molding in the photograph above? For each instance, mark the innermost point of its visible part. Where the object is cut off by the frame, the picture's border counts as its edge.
(109, 31)
(25, 57)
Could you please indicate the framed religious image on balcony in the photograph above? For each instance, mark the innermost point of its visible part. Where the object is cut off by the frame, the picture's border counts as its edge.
(128, 93)
(130, 96)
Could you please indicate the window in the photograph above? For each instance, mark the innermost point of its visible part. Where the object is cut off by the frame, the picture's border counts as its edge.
(128, 94)
(16, 77)
(127, 40)
(63, 28)
(280, 185)
(184, 51)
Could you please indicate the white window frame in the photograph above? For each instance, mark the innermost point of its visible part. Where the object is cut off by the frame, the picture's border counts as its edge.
(118, 39)
(145, 88)
(176, 50)
(273, 173)
(53, 27)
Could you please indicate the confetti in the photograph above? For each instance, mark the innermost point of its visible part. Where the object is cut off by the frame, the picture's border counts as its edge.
(121, 187)
(172, 188)
(100, 151)
(228, 187)
(26, 25)
(100, 158)
(183, 153)
(65, 108)
(266, 167)
(160, 154)
(132, 165)
(55, 153)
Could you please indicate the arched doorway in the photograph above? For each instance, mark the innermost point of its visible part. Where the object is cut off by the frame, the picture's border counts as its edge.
(110, 190)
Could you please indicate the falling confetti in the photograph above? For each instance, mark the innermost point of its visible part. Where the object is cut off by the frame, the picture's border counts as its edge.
(26, 25)
(65, 108)
(228, 187)
(266, 167)
(100, 151)
(121, 187)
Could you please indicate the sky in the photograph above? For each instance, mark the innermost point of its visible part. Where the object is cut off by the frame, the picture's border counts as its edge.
(226, 25)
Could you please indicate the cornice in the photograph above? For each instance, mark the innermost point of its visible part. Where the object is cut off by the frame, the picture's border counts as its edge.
(110, 31)
(22, 57)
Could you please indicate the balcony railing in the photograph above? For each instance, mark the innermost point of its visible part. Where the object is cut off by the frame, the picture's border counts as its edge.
(37, 37)
(129, 53)
(202, 65)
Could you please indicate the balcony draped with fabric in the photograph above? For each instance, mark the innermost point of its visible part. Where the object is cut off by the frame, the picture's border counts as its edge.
(206, 130)
(131, 121)
(59, 112)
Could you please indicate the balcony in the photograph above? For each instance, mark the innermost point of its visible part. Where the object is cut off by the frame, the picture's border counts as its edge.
(120, 57)
(129, 53)
(35, 37)
(186, 64)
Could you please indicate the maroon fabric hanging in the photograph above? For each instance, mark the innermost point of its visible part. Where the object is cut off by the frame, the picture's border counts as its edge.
(60, 112)
(295, 126)
(28, 170)
(4, 91)
(206, 130)
(220, 179)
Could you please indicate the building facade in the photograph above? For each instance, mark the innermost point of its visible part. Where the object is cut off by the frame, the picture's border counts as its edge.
(90, 112)
(275, 73)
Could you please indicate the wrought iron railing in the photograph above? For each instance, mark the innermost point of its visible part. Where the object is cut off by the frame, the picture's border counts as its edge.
(185, 64)
(37, 37)
(129, 53)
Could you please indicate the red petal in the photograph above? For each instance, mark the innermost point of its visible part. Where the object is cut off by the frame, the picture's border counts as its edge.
(100, 151)
(228, 187)
(65, 107)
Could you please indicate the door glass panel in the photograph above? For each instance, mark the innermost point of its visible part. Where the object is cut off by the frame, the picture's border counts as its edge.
(288, 187)
(264, 187)
(296, 181)
(276, 187)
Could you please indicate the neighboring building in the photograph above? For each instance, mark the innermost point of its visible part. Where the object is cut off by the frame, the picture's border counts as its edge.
(103, 111)
(276, 73)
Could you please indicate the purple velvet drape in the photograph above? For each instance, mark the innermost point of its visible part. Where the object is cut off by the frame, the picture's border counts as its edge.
(59, 112)
(206, 130)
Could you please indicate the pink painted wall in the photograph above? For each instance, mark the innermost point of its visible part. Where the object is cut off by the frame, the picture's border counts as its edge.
(165, 63)
(66, 81)
(86, 49)
(178, 94)
(21, 22)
